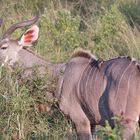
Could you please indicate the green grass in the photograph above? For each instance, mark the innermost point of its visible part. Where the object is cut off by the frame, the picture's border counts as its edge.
(106, 28)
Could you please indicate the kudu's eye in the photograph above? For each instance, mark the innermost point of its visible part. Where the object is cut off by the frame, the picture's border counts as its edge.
(4, 47)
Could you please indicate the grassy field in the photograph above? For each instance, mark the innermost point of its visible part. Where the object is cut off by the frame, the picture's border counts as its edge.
(107, 28)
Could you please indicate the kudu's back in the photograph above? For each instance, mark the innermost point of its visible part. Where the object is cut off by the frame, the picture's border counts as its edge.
(102, 90)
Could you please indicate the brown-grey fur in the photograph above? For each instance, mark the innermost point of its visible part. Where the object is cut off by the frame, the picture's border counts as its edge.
(91, 93)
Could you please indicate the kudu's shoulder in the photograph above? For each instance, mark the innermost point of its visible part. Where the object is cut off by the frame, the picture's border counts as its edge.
(82, 58)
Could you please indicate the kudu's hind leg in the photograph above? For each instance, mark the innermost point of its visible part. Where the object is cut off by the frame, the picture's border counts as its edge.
(128, 130)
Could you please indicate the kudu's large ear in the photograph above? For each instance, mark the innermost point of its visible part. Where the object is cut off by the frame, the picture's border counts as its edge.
(30, 36)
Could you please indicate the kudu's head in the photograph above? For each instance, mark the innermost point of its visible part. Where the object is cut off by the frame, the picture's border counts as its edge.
(10, 48)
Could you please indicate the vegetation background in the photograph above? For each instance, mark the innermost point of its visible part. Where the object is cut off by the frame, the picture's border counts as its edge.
(108, 28)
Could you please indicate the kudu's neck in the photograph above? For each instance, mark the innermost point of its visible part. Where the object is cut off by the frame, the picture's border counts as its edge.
(30, 59)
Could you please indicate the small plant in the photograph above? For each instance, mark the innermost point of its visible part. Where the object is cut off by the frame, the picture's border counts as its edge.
(107, 133)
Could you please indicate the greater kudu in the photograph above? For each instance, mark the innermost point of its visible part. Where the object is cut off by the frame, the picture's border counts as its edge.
(90, 91)
(94, 91)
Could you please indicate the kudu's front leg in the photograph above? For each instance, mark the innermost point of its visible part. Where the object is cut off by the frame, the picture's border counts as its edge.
(81, 121)
(82, 125)
(93, 130)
